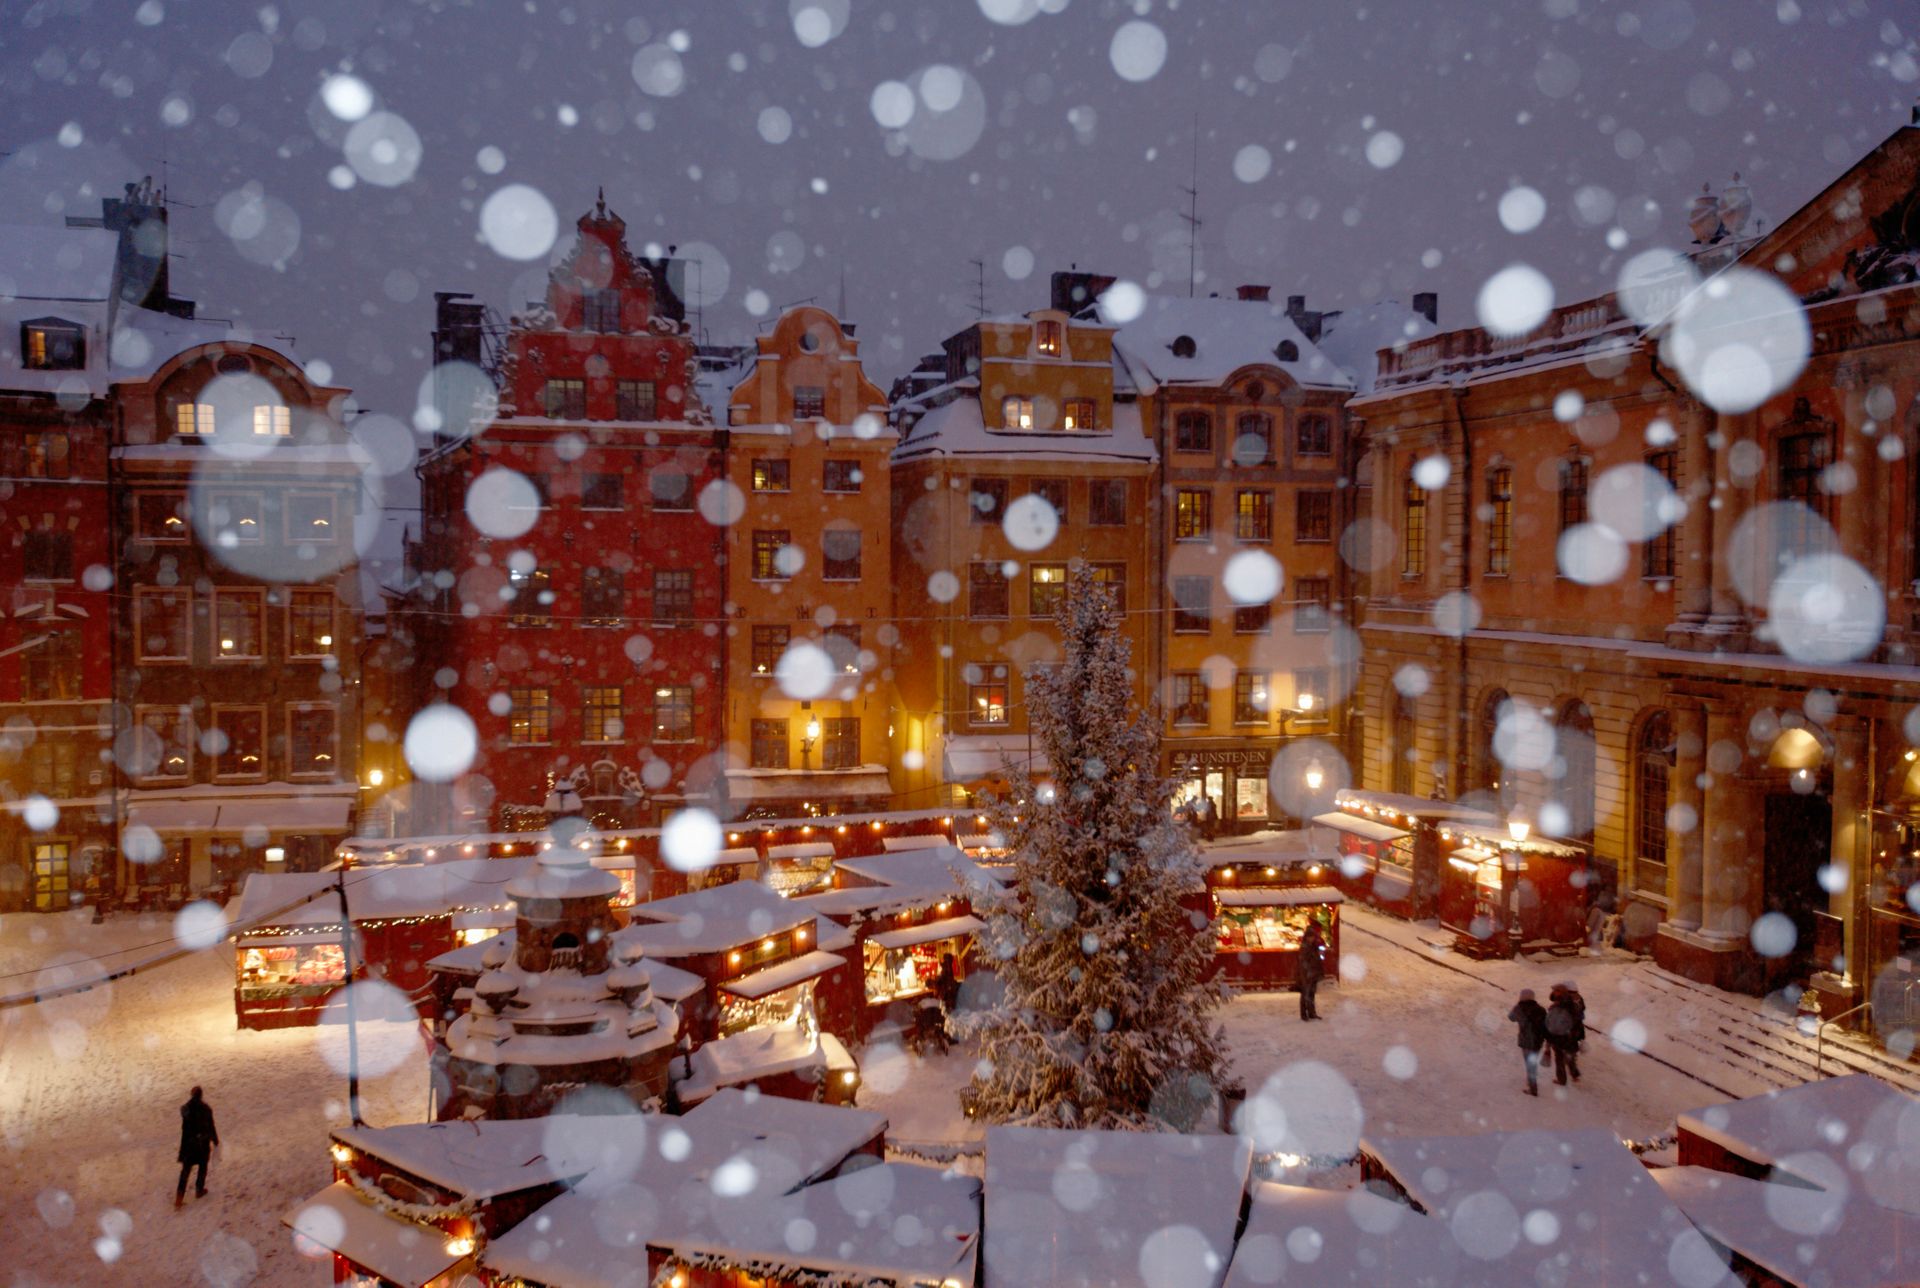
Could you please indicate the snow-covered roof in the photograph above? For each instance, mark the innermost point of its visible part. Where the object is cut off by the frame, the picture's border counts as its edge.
(1613, 1224)
(54, 262)
(1277, 896)
(1226, 336)
(1343, 1239)
(1800, 1235)
(1854, 1128)
(717, 918)
(1352, 338)
(562, 874)
(482, 1158)
(956, 429)
(374, 894)
(942, 865)
(1296, 847)
(399, 1251)
(929, 841)
(1112, 1207)
(741, 1058)
(669, 981)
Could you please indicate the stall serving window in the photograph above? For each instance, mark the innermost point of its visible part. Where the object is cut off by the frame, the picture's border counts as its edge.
(273, 971)
(788, 1006)
(1267, 928)
(908, 971)
(806, 868)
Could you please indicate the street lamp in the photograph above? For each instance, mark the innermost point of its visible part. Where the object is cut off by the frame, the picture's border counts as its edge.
(808, 737)
(1314, 777)
(1306, 702)
(375, 777)
(1517, 828)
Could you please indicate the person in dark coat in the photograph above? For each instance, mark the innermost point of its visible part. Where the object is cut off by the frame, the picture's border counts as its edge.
(1532, 1019)
(1309, 968)
(198, 1136)
(1565, 1030)
(946, 984)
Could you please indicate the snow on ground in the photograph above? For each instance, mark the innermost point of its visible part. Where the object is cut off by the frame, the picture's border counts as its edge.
(89, 1092)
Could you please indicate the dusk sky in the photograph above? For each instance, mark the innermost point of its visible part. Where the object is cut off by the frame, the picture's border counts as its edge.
(1344, 152)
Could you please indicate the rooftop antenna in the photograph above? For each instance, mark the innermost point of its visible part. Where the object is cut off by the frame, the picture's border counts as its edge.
(840, 310)
(1192, 217)
(979, 287)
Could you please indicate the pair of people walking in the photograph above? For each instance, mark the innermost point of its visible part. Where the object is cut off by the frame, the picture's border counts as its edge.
(1559, 1028)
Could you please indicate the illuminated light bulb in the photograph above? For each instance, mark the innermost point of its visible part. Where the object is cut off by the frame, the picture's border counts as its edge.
(375, 777)
(1306, 702)
(459, 1245)
(341, 1154)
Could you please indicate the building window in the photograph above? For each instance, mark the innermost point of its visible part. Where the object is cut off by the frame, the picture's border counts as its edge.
(312, 741)
(670, 488)
(311, 517)
(601, 492)
(768, 561)
(672, 595)
(987, 700)
(840, 742)
(770, 747)
(529, 717)
(1313, 436)
(1500, 520)
(673, 713)
(769, 645)
(1077, 413)
(633, 400)
(1046, 588)
(310, 622)
(1106, 503)
(841, 476)
(842, 642)
(840, 555)
(50, 667)
(1653, 769)
(1189, 700)
(1310, 690)
(48, 454)
(53, 346)
(1253, 439)
(1413, 528)
(162, 624)
(809, 402)
(1253, 515)
(986, 590)
(1486, 757)
(1313, 516)
(770, 476)
(238, 634)
(1252, 619)
(1656, 555)
(1403, 746)
(603, 597)
(272, 421)
(1192, 514)
(532, 597)
(1047, 337)
(1803, 459)
(1314, 597)
(1193, 432)
(193, 420)
(47, 555)
(1016, 412)
(239, 742)
(53, 768)
(603, 311)
(160, 516)
(1053, 492)
(603, 712)
(988, 499)
(1250, 702)
(1192, 605)
(565, 399)
(1112, 578)
(234, 519)
(167, 742)
(1573, 493)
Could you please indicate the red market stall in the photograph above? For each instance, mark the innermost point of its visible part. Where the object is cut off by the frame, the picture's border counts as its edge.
(1262, 892)
(1393, 849)
(1502, 890)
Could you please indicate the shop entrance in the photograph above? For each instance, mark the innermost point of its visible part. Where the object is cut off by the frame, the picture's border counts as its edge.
(1799, 842)
(52, 878)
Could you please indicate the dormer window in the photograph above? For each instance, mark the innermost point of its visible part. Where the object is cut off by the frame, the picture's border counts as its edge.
(272, 422)
(1048, 337)
(49, 344)
(193, 420)
(1077, 414)
(1183, 346)
(1016, 412)
(603, 311)
(1287, 351)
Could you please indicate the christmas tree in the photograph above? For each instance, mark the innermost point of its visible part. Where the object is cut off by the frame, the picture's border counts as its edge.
(1104, 1020)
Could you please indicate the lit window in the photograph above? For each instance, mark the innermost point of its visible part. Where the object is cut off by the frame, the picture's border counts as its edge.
(311, 517)
(237, 625)
(1192, 514)
(769, 645)
(1016, 413)
(673, 713)
(1048, 337)
(529, 716)
(1188, 699)
(770, 476)
(48, 454)
(193, 420)
(160, 516)
(768, 565)
(273, 422)
(1077, 413)
(310, 625)
(312, 743)
(1046, 588)
(532, 597)
(603, 711)
(239, 742)
(53, 346)
(987, 702)
(166, 743)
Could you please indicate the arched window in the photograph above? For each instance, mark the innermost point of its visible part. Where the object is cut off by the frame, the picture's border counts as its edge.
(1573, 492)
(1652, 771)
(1574, 791)
(1403, 743)
(1490, 775)
(1413, 528)
(1500, 520)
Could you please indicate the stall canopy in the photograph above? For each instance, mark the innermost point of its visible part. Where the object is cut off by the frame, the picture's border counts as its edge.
(930, 841)
(1498, 838)
(1412, 806)
(802, 850)
(339, 1220)
(948, 928)
(1277, 896)
(1364, 828)
(376, 894)
(292, 811)
(797, 970)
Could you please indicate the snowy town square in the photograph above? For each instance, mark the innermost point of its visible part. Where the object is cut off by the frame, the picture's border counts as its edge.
(960, 644)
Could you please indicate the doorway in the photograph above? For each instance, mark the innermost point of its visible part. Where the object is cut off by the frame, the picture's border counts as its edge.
(52, 878)
(1799, 842)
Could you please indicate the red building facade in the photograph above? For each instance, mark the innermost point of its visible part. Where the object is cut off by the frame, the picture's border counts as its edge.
(571, 557)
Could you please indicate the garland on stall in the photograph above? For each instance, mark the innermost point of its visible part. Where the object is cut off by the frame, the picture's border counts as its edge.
(767, 1271)
(1652, 1144)
(422, 1213)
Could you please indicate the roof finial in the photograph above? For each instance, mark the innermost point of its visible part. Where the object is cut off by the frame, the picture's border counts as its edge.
(600, 203)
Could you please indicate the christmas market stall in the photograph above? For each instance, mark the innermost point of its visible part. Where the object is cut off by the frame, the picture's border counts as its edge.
(1359, 1238)
(290, 952)
(1391, 849)
(802, 867)
(1503, 889)
(1262, 892)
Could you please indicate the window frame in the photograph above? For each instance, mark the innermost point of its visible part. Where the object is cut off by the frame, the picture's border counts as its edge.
(769, 743)
(993, 676)
(1193, 514)
(237, 525)
(600, 310)
(53, 541)
(1312, 524)
(221, 596)
(1252, 689)
(53, 670)
(157, 534)
(564, 398)
(61, 345)
(685, 503)
(39, 462)
(1185, 425)
(1014, 409)
(1650, 806)
(1188, 619)
(841, 568)
(529, 720)
(1306, 443)
(1261, 424)
(534, 586)
(259, 711)
(142, 596)
(1101, 493)
(1069, 421)
(996, 488)
(1253, 619)
(847, 633)
(1313, 612)
(851, 479)
(1049, 337)
(194, 420)
(842, 732)
(809, 402)
(1255, 523)
(1189, 702)
(594, 486)
(1055, 492)
(1500, 520)
(325, 596)
(667, 593)
(636, 401)
(287, 516)
(1576, 476)
(1658, 560)
(770, 474)
(272, 420)
(1112, 574)
(602, 587)
(295, 774)
(1413, 529)
(986, 574)
(595, 717)
(767, 545)
(678, 699)
(767, 645)
(1055, 592)
(182, 712)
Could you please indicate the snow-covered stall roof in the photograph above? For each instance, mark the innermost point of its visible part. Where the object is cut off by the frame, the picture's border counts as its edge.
(1277, 896)
(712, 919)
(669, 981)
(375, 894)
(1854, 1131)
(945, 864)
(1819, 1238)
(1343, 1239)
(1398, 803)
(956, 429)
(801, 850)
(1364, 828)
(980, 755)
(339, 1220)
(1181, 341)
(741, 1058)
(930, 841)
(484, 1158)
(795, 970)
(1613, 1225)
(1111, 1207)
(1300, 847)
(928, 932)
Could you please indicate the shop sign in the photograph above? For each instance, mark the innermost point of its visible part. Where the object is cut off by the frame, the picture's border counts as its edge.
(1243, 759)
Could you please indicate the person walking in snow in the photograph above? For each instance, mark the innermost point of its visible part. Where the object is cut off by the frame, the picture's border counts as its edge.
(198, 1136)
(1532, 1019)
(1309, 968)
(1564, 1032)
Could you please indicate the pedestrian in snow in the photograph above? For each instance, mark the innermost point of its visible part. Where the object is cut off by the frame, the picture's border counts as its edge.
(1532, 1019)
(1209, 818)
(198, 1136)
(1563, 1035)
(1309, 968)
(946, 985)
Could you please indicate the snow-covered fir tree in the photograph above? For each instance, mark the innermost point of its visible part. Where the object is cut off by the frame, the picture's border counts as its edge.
(1106, 1015)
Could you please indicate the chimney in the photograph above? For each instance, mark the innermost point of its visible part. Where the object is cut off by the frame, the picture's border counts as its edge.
(1427, 305)
(1301, 316)
(140, 217)
(1075, 291)
(457, 321)
(1256, 294)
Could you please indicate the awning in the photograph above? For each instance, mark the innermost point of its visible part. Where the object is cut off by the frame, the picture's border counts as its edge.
(816, 785)
(1365, 828)
(1278, 896)
(801, 850)
(339, 1220)
(972, 756)
(932, 841)
(983, 841)
(785, 975)
(300, 939)
(286, 814)
(947, 928)
(1414, 806)
(174, 816)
